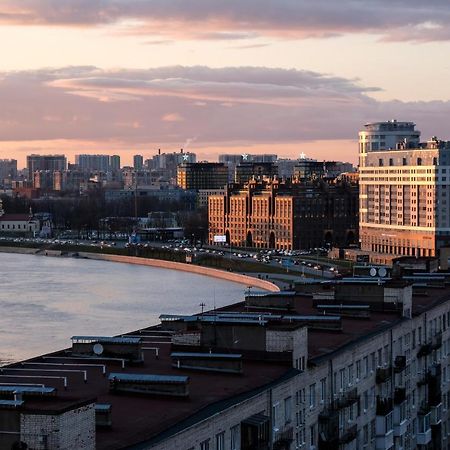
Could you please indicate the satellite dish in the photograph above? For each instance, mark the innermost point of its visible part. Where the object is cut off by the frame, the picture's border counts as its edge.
(373, 272)
(382, 272)
(98, 348)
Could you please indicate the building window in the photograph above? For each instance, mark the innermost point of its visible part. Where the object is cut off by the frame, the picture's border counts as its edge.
(235, 437)
(323, 389)
(220, 441)
(419, 161)
(204, 445)
(312, 436)
(312, 395)
(287, 410)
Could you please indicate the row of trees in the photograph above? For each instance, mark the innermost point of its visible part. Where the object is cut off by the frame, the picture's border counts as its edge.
(85, 213)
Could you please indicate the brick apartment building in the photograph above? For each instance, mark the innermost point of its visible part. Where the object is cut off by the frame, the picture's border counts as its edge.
(285, 214)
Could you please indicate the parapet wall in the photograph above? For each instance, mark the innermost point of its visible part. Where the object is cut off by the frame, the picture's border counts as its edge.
(210, 272)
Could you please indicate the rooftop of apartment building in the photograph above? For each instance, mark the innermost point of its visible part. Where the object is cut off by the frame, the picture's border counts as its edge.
(152, 381)
(70, 381)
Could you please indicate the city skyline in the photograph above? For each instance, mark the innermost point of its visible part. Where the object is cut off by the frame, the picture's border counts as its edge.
(132, 77)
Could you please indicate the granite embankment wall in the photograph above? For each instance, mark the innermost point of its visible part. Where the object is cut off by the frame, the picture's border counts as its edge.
(230, 276)
(21, 250)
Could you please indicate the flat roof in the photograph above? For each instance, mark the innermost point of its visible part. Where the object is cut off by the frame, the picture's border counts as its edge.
(107, 339)
(133, 416)
(205, 355)
(148, 378)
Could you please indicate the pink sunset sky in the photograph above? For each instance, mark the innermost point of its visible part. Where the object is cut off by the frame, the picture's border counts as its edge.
(213, 76)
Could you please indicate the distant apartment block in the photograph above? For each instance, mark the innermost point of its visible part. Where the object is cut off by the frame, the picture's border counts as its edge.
(45, 162)
(306, 168)
(231, 160)
(138, 162)
(245, 171)
(114, 163)
(166, 164)
(202, 175)
(69, 180)
(404, 191)
(8, 170)
(92, 163)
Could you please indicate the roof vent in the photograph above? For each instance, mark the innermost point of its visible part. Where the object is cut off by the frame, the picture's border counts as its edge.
(165, 385)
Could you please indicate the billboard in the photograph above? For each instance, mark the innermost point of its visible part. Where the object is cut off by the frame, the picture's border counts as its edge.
(220, 238)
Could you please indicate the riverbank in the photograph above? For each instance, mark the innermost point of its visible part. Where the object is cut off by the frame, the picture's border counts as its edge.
(153, 262)
(199, 270)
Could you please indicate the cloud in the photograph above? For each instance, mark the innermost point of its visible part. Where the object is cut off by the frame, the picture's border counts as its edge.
(172, 117)
(234, 105)
(411, 20)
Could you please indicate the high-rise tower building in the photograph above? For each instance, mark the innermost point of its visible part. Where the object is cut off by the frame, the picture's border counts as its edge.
(45, 162)
(404, 192)
(114, 162)
(92, 162)
(138, 162)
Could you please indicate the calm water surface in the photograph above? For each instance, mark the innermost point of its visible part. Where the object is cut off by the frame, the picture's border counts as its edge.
(46, 300)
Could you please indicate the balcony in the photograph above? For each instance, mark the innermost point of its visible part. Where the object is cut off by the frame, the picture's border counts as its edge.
(348, 435)
(383, 374)
(346, 399)
(424, 378)
(434, 385)
(384, 406)
(424, 431)
(399, 364)
(282, 439)
(424, 350)
(400, 420)
(436, 414)
(328, 429)
(384, 424)
(436, 341)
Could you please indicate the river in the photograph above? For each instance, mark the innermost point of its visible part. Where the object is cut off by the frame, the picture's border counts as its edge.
(46, 300)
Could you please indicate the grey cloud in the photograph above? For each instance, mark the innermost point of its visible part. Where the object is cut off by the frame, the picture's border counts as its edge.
(235, 19)
(241, 104)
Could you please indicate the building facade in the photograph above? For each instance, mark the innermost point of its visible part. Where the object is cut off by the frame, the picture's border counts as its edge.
(138, 162)
(8, 171)
(244, 171)
(404, 192)
(114, 162)
(285, 214)
(379, 386)
(202, 175)
(45, 162)
(92, 163)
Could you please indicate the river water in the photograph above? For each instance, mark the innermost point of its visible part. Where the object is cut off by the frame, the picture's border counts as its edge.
(46, 300)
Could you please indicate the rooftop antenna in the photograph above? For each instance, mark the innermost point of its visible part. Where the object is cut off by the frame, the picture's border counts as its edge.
(202, 304)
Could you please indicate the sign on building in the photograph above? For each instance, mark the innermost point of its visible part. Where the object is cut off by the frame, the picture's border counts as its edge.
(220, 238)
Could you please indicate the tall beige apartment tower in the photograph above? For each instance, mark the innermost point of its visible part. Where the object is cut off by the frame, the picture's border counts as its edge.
(404, 192)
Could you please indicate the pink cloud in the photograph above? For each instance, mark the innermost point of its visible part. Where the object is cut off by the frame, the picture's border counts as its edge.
(172, 117)
(412, 20)
(229, 107)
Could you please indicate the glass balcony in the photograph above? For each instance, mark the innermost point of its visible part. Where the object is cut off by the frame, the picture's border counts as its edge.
(436, 414)
(424, 429)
